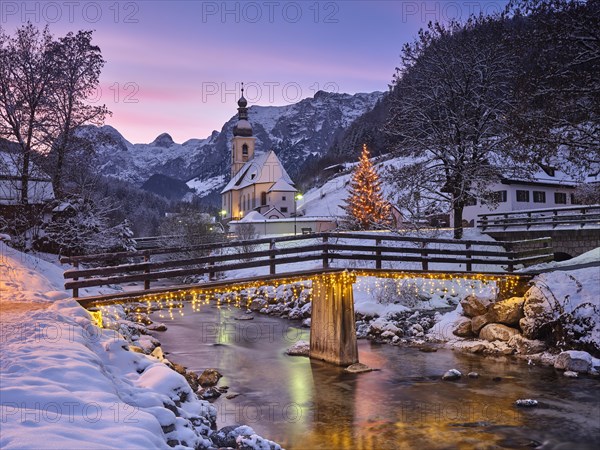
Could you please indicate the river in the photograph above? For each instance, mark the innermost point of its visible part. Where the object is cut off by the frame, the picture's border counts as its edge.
(304, 404)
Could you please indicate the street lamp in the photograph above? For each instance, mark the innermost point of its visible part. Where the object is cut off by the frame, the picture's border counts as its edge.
(297, 197)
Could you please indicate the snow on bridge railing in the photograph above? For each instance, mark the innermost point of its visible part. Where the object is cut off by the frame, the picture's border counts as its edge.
(324, 248)
(580, 216)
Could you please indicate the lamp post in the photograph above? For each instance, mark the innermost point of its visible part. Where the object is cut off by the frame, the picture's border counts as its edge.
(223, 213)
(297, 197)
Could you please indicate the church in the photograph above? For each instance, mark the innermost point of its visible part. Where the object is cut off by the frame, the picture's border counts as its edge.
(258, 182)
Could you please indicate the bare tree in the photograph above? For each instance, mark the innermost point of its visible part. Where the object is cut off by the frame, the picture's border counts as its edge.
(450, 100)
(27, 68)
(557, 82)
(79, 64)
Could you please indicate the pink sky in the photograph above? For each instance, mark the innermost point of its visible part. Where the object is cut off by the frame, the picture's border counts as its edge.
(174, 66)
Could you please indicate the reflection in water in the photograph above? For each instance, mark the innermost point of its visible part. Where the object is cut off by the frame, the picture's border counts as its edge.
(304, 404)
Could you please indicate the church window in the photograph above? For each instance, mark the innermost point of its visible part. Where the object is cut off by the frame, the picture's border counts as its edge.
(263, 198)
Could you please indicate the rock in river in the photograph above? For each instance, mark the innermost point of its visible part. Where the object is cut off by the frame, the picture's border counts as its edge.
(300, 348)
(573, 360)
(358, 368)
(452, 375)
(210, 377)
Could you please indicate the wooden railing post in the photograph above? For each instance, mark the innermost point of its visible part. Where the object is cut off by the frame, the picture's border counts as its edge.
(469, 256)
(424, 262)
(211, 273)
(147, 270)
(272, 257)
(75, 290)
(484, 222)
(511, 264)
(378, 254)
(325, 252)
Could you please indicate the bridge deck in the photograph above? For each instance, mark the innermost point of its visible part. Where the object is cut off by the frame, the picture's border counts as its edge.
(517, 282)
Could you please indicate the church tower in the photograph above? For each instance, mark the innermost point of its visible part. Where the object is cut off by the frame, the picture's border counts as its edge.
(242, 149)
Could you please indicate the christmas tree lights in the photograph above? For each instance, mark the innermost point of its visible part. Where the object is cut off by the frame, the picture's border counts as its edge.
(365, 206)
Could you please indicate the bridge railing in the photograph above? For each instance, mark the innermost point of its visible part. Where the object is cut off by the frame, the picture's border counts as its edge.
(579, 216)
(166, 241)
(325, 248)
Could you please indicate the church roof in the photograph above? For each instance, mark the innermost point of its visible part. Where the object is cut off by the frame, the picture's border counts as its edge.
(264, 168)
(282, 186)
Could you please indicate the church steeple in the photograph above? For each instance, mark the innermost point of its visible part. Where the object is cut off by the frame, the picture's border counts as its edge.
(242, 127)
(242, 149)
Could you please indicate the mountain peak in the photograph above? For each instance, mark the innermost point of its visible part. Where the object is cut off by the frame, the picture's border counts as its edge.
(163, 140)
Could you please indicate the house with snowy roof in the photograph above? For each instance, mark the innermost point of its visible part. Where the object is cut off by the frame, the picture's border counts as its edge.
(259, 182)
(549, 187)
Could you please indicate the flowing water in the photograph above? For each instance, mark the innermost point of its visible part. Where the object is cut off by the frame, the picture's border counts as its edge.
(304, 404)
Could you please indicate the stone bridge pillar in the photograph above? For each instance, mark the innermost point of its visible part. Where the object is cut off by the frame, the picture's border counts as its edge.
(332, 327)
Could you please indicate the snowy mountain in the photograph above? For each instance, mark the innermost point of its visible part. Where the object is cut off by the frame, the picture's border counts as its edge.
(298, 133)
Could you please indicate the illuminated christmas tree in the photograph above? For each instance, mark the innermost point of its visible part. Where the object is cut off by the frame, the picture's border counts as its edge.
(365, 206)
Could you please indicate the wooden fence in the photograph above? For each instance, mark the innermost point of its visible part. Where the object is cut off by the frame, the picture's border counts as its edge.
(372, 249)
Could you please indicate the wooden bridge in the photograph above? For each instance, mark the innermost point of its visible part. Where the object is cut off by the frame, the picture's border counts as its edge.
(333, 335)
(574, 229)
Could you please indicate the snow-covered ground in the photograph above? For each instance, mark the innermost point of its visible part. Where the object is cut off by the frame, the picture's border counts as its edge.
(204, 187)
(327, 200)
(67, 384)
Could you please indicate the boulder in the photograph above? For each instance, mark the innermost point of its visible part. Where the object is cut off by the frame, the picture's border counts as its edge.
(158, 354)
(462, 328)
(295, 314)
(358, 368)
(574, 361)
(536, 310)
(536, 302)
(257, 304)
(452, 375)
(474, 306)
(210, 377)
(526, 346)
(570, 374)
(157, 326)
(300, 348)
(226, 436)
(416, 330)
(507, 312)
(526, 402)
(478, 322)
(530, 327)
(475, 347)
(208, 393)
(497, 332)
(388, 335)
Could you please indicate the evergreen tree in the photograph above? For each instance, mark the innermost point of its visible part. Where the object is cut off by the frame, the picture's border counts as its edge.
(365, 206)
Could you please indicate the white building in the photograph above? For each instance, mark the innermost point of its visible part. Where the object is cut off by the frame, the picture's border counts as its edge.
(39, 185)
(548, 188)
(258, 182)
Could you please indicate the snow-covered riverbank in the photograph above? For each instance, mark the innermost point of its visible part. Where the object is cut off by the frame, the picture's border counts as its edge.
(65, 383)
